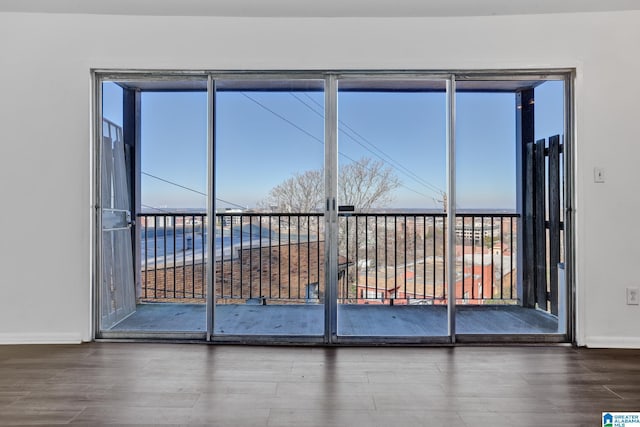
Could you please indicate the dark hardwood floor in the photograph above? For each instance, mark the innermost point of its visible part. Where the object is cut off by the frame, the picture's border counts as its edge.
(180, 384)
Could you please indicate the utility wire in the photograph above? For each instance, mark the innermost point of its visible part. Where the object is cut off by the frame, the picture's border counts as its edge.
(174, 183)
(315, 138)
(318, 140)
(390, 160)
(190, 189)
(309, 134)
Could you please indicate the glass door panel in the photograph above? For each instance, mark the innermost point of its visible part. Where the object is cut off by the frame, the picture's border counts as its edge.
(117, 285)
(269, 190)
(509, 207)
(153, 199)
(391, 221)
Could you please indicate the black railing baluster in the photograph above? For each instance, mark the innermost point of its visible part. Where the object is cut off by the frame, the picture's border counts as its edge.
(260, 294)
(473, 257)
(298, 228)
(173, 226)
(164, 252)
(377, 263)
(270, 258)
(184, 256)
(307, 290)
(366, 249)
(231, 220)
(501, 260)
(279, 256)
(386, 255)
(222, 220)
(203, 270)
(493, 275)
(318, 279)
(424, 256)
(155, 256)
(404, 256)
(463, 241)
(511, 257)
(289, 255)
(482, 257)
(395, 257)
(241, 255)
(146, 255)
(445, 285)
(433, 238)
(250, 257)
(415, 259)
(357, 269)
(193, 253)
(346, 226)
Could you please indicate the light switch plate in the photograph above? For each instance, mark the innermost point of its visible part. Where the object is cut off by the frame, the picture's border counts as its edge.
(598, 175)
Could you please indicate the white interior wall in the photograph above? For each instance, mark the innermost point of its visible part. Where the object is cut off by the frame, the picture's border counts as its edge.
(45, 62)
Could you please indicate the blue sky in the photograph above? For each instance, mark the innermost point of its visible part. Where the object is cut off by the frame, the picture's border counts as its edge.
(264, 138)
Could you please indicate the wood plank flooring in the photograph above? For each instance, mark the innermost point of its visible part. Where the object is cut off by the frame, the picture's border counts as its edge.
(190, 384)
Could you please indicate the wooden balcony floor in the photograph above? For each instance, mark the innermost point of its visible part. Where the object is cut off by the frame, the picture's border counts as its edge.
(353, 320)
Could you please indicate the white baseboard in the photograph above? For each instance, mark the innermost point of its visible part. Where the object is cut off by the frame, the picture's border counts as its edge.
(40, 338)
(613, 342)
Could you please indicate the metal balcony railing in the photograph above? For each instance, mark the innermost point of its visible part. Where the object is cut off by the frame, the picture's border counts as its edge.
(173, 255)
(384, 258)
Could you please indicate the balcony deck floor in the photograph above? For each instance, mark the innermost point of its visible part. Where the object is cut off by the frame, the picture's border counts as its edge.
(353, 320)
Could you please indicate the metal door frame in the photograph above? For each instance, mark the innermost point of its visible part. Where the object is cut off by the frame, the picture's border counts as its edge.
(331, 153)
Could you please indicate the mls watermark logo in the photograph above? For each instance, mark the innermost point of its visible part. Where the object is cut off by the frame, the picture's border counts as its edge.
(621, 419)
(607, 420)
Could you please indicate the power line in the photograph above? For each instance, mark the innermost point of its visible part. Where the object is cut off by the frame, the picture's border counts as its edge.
(315, 138)
(390, 160)
(190, 189)
(174, 183)
(310, 135)
(320, 141)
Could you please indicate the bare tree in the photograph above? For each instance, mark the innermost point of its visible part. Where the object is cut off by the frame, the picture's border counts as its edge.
(365, 184)
(303, 192)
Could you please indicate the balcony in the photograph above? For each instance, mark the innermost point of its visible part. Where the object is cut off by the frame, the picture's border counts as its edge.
(270, 269)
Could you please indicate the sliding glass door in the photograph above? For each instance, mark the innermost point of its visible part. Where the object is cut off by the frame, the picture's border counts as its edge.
(153, 180)
(509, 240)
(391, 219)
(334, 207)
(269, 197)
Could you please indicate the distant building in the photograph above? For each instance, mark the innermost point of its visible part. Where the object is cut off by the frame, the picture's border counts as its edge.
(229, 217)
(483, 275)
